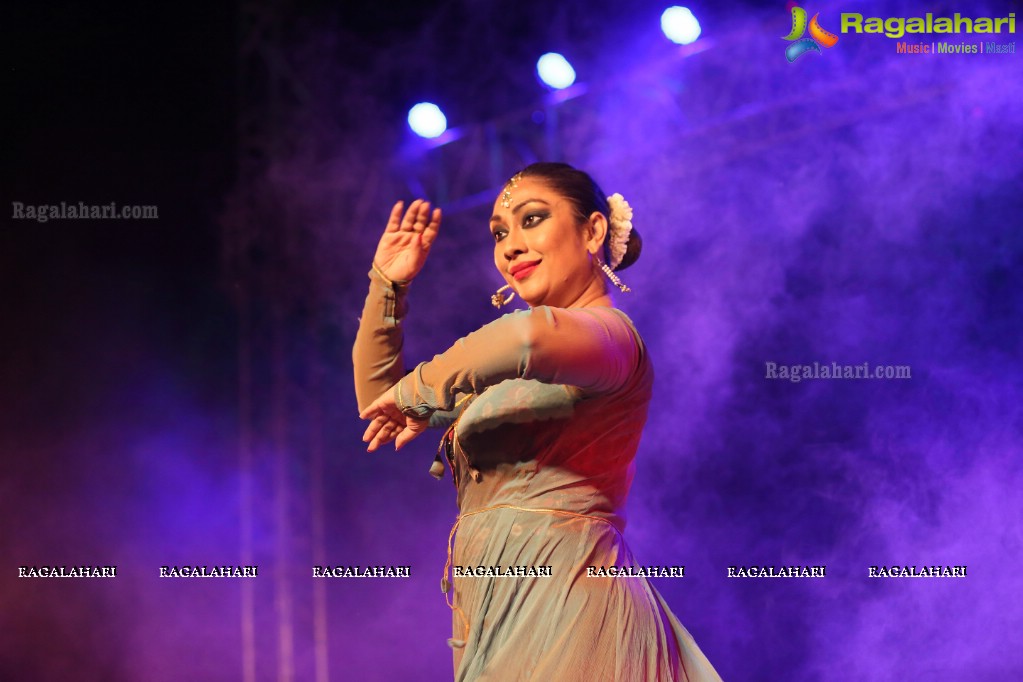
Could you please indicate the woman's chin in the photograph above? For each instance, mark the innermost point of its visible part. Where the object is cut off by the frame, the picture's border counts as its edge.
(531, 297)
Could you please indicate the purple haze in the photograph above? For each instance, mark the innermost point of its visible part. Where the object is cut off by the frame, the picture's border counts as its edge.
(855, 206)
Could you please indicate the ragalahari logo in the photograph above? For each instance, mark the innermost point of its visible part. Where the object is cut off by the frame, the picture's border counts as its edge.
(801, 45)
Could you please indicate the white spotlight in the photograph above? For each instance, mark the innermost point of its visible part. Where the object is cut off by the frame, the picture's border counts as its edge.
(427, 120)
(679, 24)
(555, 71)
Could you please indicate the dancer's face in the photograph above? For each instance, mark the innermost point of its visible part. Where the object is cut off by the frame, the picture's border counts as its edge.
(542, 247)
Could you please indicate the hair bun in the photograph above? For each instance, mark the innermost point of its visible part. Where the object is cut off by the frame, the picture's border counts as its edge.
(632, 250)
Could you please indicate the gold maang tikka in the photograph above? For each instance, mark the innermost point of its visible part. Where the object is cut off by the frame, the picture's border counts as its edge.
(506, 194)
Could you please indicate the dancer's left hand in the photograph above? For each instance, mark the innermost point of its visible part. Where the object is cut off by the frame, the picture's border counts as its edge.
(387, 423)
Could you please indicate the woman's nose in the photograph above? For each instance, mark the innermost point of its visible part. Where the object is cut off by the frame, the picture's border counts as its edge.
(513, 244)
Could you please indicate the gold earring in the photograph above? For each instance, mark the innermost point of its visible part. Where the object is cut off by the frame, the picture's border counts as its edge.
(499, 299)
(614, 278)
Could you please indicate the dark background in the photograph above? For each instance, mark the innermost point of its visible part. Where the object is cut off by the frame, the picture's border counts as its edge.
(178, 390)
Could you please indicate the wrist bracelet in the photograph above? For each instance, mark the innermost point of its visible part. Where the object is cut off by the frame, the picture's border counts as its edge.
(397, 397)
(390, 282)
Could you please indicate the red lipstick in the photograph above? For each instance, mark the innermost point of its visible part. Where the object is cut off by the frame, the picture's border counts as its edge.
(524, 269)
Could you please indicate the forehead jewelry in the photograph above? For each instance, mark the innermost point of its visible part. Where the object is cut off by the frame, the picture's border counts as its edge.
(506, 194)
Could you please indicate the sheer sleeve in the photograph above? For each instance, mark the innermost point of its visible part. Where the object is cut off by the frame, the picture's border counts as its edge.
(377, 359)
(593, 349)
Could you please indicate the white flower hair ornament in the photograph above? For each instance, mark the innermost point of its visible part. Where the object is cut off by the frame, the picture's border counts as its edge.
(621, 226)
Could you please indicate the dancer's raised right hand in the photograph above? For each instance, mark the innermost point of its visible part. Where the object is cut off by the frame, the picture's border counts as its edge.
(406, 241)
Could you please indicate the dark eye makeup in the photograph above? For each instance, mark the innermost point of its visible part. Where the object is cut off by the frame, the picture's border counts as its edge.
(528, 220)
(534, 219)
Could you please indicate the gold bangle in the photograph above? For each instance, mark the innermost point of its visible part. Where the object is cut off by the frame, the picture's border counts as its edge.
(376, 269)
(397, 397)
(390, 282)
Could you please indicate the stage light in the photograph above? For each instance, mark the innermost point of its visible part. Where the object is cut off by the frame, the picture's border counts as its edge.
(679, 24)
(427, 120)
(555, 71)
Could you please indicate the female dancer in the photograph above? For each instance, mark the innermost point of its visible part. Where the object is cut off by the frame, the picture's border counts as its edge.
(544, 409)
